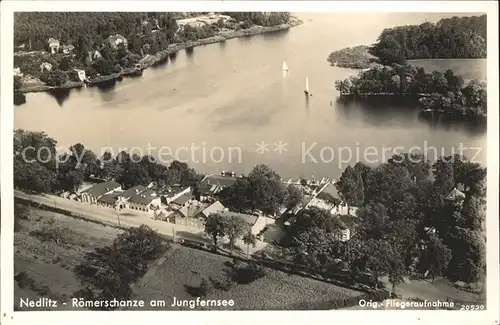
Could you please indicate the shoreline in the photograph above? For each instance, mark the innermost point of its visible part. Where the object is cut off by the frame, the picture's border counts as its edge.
(152, 60)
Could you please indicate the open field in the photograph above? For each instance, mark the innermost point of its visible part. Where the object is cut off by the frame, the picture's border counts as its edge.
(47, 265)
(182, 269)
(43, 266)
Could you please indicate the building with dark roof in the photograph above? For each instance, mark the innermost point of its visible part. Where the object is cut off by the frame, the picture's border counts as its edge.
(215, 207)
(255, 223)
(91, 195)
(145, 201)
(173, 193)
(108, 200)
(455, 195)
(127, 194)
(213, 184)
(330, 191)
(182, 200)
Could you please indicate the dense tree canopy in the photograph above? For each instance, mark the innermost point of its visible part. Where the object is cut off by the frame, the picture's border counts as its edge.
(455, 37)
(350, 185)
(441, 92)
(39, 167)
(406, 216)
(260, 190)
(107, 273)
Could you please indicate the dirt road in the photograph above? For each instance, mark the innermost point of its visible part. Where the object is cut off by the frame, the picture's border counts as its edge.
(128, 218)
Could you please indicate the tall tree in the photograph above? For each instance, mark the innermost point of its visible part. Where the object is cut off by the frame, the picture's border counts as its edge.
(260, 190)
(416, 164)
(214, 227)
(435, 257)
(374, 221)
(293, 196)
(314, 217)
(468, 255)
(473, 214)
(387, 184)
(34, 161)
(350, 185)
(316, 248)
(234, 228)
(249, 239)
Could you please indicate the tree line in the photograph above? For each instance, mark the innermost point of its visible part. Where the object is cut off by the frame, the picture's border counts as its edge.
(455, 37)
(41, 169)
(407, 222)
(443, 92)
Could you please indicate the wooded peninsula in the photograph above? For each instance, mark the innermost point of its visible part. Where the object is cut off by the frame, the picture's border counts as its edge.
(386, 72)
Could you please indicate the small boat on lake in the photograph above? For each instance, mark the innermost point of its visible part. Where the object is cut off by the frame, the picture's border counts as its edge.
(284, 67)
(306, 89)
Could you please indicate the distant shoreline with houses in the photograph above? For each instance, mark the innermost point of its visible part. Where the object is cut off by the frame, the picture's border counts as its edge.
(147, 61)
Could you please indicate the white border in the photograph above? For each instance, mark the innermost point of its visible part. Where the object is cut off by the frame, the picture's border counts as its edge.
(491, 316)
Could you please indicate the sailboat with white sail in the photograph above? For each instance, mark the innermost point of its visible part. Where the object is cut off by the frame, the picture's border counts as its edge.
(306, 89)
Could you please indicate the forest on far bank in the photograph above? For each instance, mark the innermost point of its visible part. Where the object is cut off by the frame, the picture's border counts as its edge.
(146, 33)
(455, 37)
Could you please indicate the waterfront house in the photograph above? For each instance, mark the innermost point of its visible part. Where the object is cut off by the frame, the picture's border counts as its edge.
(115, 40)
(455, 195)
(202, 20)
(53, 45)
(80, 74)
(181, 200)
(20, 47)
(45, 66)
(17, 72)
(94, 55)
(145, 201)
(92, 194)
(67, 49)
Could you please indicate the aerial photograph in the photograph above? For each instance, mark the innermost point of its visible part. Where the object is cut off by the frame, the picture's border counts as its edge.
(249, 161)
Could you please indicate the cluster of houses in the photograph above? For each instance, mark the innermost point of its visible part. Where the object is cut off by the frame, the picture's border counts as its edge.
(54, 46)
(177, 206)
(180, 206)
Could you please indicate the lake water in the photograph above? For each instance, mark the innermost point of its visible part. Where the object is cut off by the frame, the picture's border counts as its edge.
(228, 97)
